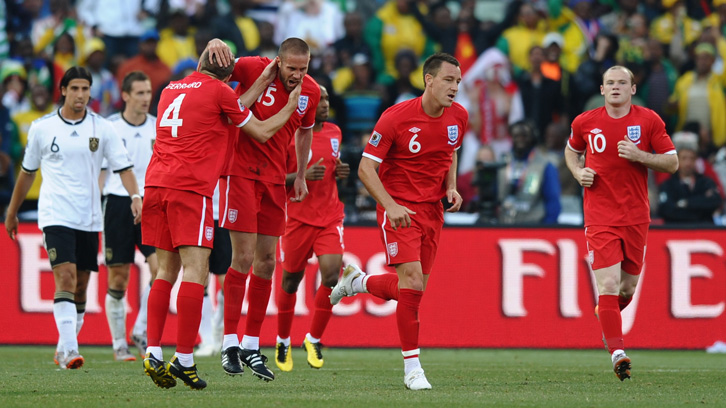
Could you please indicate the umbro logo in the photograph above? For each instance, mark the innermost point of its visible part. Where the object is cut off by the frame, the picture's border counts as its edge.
(414, 130)
(595, 131)
(74, 134)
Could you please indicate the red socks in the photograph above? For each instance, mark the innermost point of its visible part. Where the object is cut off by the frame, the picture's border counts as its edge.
(285, 312)
(384, 286)
(611, 322)
(323, 311)
(157, 307)
(409, 301)
(259, 297)
(234, 294)
(189, 312)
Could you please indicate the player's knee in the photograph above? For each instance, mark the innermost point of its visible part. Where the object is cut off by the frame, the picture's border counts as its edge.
(329, 281)
(265, 267)
(242, 261)
(291, 281)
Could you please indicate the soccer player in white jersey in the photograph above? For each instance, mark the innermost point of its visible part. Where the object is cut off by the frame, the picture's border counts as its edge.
(70, 145)
(121, 236)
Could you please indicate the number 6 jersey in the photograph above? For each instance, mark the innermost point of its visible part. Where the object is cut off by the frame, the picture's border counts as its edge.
(415, 150)
(619, 194)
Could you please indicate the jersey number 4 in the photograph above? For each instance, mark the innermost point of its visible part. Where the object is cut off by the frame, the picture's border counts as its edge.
(170, 118)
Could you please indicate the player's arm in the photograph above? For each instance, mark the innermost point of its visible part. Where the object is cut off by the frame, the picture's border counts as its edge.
(262, 131)
(314, 172)
(368, 174)
(102, 179)
(452, 195)
(128, 179)
(303, 142)
(22, 186)
(584, 175)
(666, 163)
(258, 87)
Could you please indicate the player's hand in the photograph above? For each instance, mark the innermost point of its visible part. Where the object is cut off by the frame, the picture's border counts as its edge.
(342, 170)
(629, 150)
(301, 190)
(270, 72)
(221, 50)
(295, 95)
(11, 226)
(399, 216)
(316, 171)
(454, 199)
(136, 205)
(585, 176)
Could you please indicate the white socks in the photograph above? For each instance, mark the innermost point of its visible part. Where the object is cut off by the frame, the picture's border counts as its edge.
(205, 325)
(410, 364)
(230, 340)
(140, 323)
(116, 316)
(66, 321)
(250, 343)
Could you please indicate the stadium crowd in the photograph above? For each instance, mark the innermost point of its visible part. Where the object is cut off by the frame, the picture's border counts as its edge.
(529, 67)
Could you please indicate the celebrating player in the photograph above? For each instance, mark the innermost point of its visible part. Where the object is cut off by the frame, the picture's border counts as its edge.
(617, 141)
(313, 226)
(413, 143)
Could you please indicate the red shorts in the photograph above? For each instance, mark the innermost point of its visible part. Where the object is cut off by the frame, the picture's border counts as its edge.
(253, 206)
(416, 243)
(173, 218)
(606, 246)
(301, 240)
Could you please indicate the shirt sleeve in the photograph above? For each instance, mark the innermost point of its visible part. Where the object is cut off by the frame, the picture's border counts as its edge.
(31, 160)
(576, 142)
(308, 120)
(232, 107)
(381, 140)
(114, 151)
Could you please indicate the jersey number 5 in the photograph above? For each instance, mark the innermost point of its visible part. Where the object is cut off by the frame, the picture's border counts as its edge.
(171, 115)
(597, 145)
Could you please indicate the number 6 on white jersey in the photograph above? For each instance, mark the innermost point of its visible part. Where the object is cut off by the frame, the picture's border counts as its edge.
(171, 115)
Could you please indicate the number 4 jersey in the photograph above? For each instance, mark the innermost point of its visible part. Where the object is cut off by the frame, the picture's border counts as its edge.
(193, 134)
(619, 195)
(416, 150)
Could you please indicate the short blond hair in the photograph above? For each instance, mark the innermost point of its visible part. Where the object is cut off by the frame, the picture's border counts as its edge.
(622, 68)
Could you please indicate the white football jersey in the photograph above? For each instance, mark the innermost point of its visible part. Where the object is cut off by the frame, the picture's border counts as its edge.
(70, 155)
(139, 142)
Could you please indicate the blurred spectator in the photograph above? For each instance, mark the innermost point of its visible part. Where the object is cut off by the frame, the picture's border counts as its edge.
(20, 16)
(176, 42)
(362, 100)
(675, 29)
(529, 185)
(579, 29)
(239, 28)
(41, 105)
(318, 22)
(480, 193)
(13, 78)
(9, 152)
(699, 97)
(661, 81)
(392, 29)
(541, 96)
(352, 42)
(555, 141)
(118, 23)
(516, 41)
(39, 70)
(688, 196)
(47, 31)
(267, 47)
(148, 62)
(588, 77)
(105, 94)
(633, 43)
(493, 101)
(64, 52)
(403, 88)
(4, 41)
(619, 20)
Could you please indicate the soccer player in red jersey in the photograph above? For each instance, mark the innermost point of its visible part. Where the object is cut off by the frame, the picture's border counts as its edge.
(252, 197)
(412, 148)
(193, 137)
(620, 142)
(313, 226)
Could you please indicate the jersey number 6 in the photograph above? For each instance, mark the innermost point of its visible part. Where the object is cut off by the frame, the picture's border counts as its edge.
(171, 115)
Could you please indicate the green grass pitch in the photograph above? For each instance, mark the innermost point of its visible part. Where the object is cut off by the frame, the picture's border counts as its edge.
(374, 378)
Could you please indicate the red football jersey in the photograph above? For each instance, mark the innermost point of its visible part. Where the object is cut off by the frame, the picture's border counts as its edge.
(266, 161)
(619, 194)
(415, 150)
(193, 134)
(322, 206)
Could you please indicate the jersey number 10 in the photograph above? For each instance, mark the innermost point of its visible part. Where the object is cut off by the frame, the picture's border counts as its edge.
(170, 118)
(599, 143)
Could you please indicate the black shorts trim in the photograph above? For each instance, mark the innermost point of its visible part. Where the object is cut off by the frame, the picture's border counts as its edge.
(120, 236)
(221, 256)
(68, 245)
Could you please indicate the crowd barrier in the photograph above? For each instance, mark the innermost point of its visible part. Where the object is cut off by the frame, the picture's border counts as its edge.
(490, 287)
